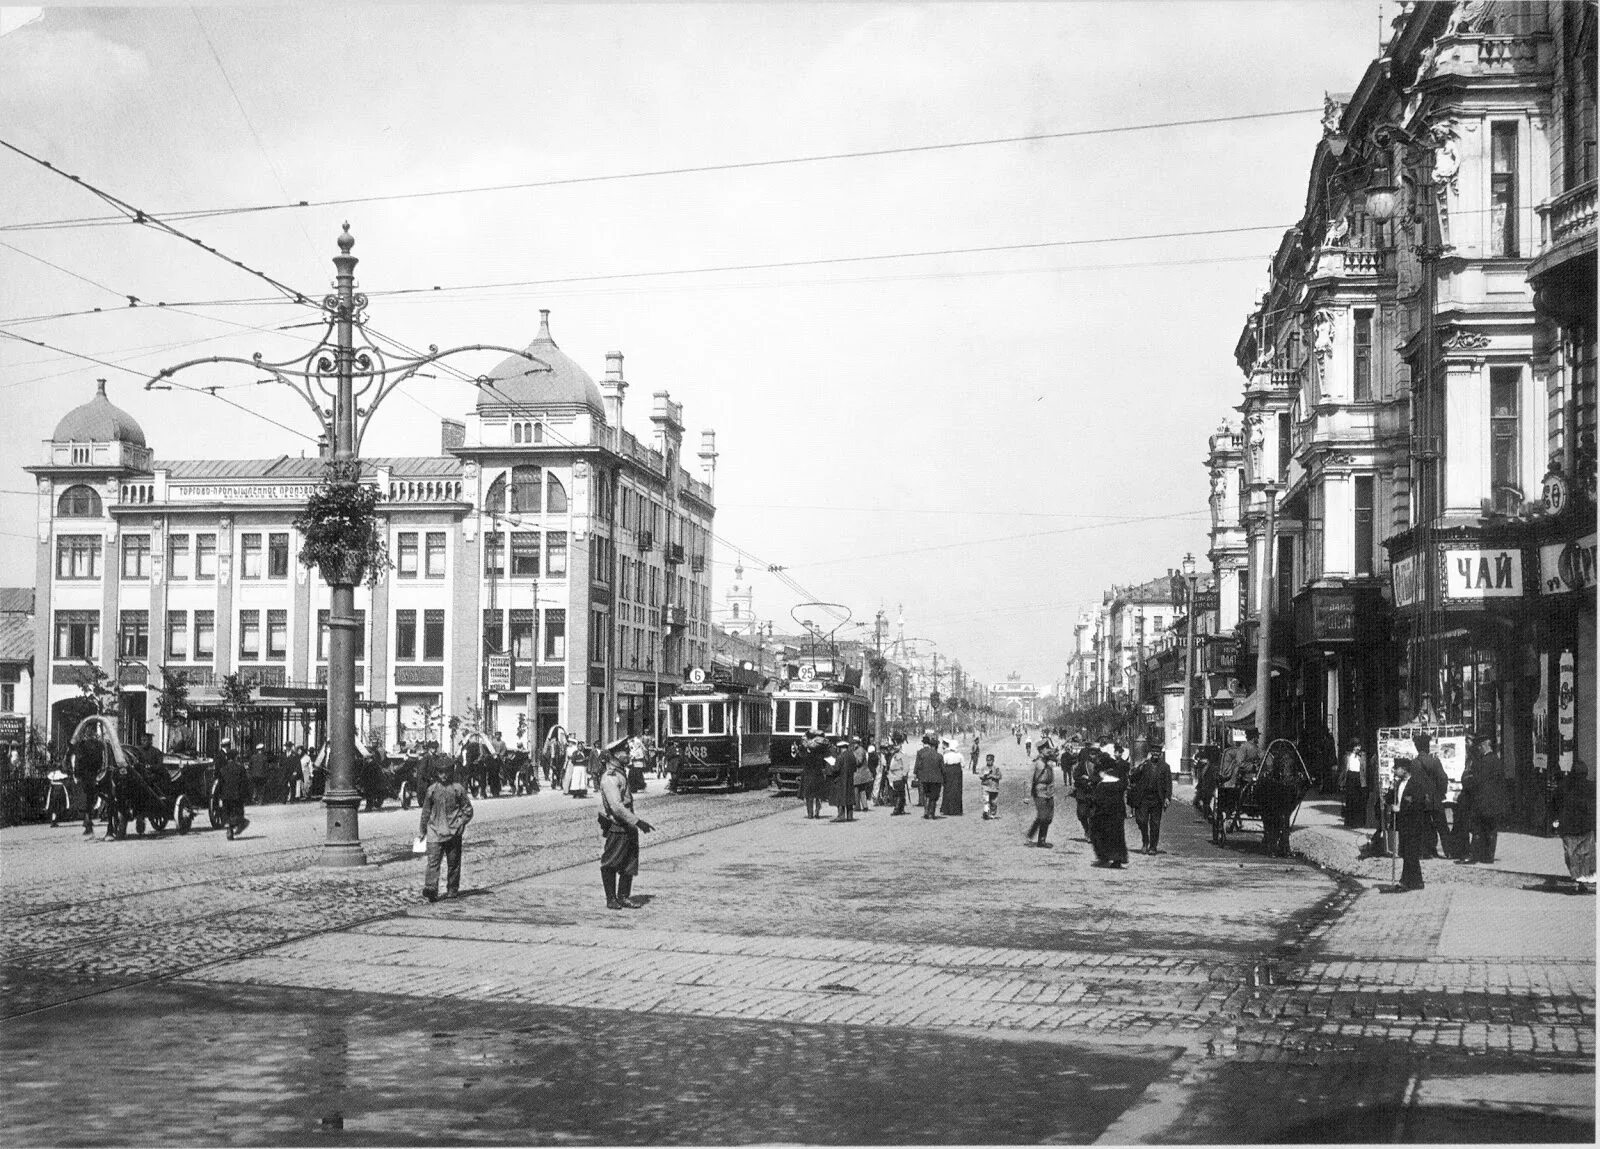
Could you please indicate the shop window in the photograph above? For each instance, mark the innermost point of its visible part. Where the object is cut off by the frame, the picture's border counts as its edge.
(250, 556)
(205, 635)
(435, 554)
(78, 502)
(1361, 344)
(77, 634)
(177, 635)
(278, 555)
(1503, 190)
(78, 556)
(406, 555)
(249, 636)
(277, 635)
(433, 635)
(1504, 462)
(555, 635)
(134, 634)
(405, 636)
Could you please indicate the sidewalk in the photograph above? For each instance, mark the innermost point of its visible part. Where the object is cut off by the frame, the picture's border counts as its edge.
(1521, 860)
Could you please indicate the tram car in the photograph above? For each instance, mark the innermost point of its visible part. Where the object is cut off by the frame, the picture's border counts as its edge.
(717, 730)
(821, 694)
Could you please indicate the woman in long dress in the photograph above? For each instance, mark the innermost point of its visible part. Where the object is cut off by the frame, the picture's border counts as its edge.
(576, 782)
(950, 795)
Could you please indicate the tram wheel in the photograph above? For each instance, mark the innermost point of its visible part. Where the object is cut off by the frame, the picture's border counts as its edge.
(183, 814)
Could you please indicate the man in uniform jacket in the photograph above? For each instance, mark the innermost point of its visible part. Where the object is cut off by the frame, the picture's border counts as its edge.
(256, 768)
(446, 810)
(930, 776)
(849, 756)
(1484, 801)
(619, 861)
(1082, 778)
(1149, 792)
(1411, 799)
(232, 790)
(1427, 770)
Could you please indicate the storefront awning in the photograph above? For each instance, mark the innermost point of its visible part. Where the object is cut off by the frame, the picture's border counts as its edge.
(1244, 712)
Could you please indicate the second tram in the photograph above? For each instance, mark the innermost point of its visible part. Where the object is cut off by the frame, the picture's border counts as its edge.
(824, 696)
(717, 732)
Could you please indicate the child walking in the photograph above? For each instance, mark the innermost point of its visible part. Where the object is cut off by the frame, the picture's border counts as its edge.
(991, 788)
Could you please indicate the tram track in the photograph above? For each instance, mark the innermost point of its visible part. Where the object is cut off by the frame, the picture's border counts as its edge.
(493, 863)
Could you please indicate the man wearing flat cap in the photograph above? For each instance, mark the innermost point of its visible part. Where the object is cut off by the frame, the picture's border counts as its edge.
(849, 756)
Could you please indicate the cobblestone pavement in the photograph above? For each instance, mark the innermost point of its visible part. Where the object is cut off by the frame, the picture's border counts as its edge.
(1202, 995)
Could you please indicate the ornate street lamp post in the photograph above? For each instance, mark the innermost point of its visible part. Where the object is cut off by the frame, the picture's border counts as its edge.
(338, 372)
(1186, 762)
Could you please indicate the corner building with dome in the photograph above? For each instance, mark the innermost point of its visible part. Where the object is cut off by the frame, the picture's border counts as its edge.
(548, 568)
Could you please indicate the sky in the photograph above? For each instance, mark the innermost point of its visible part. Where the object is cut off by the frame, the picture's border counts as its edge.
(980, 442)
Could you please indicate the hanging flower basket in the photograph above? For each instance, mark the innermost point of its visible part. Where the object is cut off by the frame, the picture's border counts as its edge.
(344, 535)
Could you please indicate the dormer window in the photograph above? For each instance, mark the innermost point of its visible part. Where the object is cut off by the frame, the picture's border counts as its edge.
(78, 502)
(527, 432)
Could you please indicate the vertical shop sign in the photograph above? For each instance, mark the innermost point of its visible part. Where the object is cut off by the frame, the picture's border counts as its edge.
(1541, 717)
(1566, 711)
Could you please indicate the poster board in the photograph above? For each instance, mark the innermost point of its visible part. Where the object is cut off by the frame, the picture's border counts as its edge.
(1449, 745)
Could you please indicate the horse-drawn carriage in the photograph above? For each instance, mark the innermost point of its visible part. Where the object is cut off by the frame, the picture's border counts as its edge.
(131, 792)
(1271, 796)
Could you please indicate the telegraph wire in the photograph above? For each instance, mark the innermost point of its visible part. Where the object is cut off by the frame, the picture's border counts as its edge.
(655, 173)
(133, 301)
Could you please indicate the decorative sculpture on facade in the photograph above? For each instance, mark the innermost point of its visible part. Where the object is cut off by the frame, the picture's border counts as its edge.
(1338, 231)
(1322, 335)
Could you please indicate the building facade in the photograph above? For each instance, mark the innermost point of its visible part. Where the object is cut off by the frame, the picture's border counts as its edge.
(548, 568)
(1419, 400)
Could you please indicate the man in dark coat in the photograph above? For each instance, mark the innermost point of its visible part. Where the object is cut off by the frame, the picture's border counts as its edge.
(845, 761)
(1427, 770)
(1149, 793)
(88, 757)
(232, 790)
(1107, 833)
(1411, 799)
(1226, 799)
(256, 768)
(1484, 801)
(929, 769)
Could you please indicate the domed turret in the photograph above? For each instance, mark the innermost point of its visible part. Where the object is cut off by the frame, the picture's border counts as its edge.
(517, 383)
(99, 421)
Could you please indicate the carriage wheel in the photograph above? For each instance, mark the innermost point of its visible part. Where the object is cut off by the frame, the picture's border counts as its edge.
(407, 792)
(183, 814)
(116, 823)
(158, 822)
(214, 813)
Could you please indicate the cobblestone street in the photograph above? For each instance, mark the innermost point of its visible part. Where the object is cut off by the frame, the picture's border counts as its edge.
(1199, 995)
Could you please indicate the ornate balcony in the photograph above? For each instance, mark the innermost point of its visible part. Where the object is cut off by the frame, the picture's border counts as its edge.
(1570, 216)
(1478, 54)
(1349, 263)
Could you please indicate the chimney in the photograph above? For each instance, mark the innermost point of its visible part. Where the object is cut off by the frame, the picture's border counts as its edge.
(614, 388)
(452, 434)
(708, 458)
(668, 420)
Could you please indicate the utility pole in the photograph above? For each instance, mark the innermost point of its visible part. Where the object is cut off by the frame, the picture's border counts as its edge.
(1264, 614)
(880, 679)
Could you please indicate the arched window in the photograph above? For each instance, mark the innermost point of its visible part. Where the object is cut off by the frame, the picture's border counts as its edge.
(736, 615)
(79, 502)
(525, 490)
(496, 499)
(558, 497)
(516, 432)
(538, 432)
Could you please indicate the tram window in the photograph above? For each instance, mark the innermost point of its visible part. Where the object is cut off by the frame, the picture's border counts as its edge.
(802, 716)
(716, 718)
(781, 719)
(825, 717)
(694, 718)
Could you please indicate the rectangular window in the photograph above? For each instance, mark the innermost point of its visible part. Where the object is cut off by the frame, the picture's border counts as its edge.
(135, 634)
(8, 696)
(325, 640)
(555, 543)
(405, 555)
(205, 635)
(205, 556)
(78, 556)
(249, 636)
(1503, 189)
(1365, 540)
(804, 716)
(435, 555)
(555, 635)
(278, 555)
(179, 558)
(433, 635)
(135, 556)
(522, 635)
(599, 634)
(405, 636)
(1361, 381)
(825, 717)
(1283, 445)
(494, 555)
(1505, 472)
(250, 555)
(177, 635)
(525, 554)
(78, 634)
(493, 637)
(277, 635)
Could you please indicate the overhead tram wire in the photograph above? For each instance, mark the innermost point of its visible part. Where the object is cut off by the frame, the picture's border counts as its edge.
(138, 215)
(656, 173)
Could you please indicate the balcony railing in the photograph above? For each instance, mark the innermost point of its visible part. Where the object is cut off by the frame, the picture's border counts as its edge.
(1351, 262)
(1570, 215)
(425, 491)
(1285, 378)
